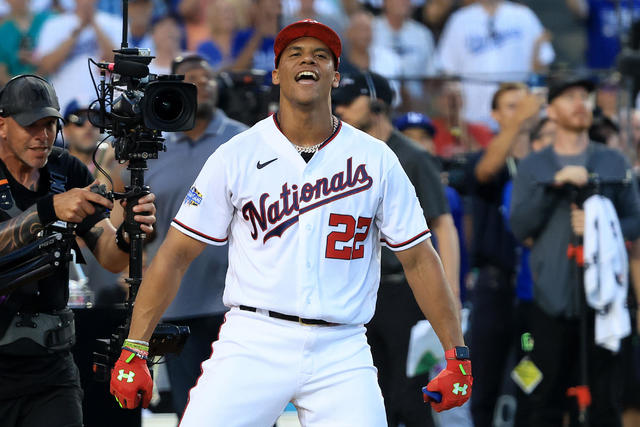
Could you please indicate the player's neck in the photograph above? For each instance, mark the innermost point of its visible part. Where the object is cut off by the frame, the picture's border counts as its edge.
(305, 128)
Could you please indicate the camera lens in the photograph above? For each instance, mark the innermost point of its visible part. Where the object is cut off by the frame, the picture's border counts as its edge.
(167, 105)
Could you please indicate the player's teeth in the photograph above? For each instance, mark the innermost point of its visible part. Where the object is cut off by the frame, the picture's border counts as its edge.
(305, 74)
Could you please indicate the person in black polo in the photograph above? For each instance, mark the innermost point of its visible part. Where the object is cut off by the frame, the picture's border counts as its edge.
(493, 248)
(42, 185)
(364, 101)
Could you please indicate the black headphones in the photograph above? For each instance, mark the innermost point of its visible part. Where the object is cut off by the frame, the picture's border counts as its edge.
(375, 105)
(3, 108)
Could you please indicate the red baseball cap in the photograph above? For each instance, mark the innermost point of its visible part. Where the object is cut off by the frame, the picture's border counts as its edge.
(308, 28)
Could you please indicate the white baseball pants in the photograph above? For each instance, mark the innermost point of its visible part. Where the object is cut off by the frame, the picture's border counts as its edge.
(259, 364)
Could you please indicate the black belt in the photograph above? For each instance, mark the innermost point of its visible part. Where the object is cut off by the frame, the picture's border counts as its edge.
(290, 317)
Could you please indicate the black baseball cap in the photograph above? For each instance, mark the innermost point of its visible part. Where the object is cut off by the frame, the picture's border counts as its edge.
(559, 85)
(354, 85)
(29, 98)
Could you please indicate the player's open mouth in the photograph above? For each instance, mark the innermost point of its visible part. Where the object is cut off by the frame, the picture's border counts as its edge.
(307, 75)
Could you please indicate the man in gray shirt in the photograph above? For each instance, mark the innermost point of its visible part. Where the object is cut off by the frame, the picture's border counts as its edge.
(198, 303)
(544, 210)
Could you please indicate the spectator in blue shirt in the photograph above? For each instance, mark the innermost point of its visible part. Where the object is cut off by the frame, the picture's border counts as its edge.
(603, 27)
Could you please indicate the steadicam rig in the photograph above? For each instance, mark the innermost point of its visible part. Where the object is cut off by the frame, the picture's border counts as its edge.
(133, 107)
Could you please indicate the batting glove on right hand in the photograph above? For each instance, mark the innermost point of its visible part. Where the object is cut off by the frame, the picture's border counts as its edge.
(452, 386)
(131, 380)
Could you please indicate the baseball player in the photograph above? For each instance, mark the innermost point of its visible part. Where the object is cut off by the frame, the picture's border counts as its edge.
(305, 203)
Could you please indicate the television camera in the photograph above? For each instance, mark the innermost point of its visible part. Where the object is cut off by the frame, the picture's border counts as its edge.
(133, 107)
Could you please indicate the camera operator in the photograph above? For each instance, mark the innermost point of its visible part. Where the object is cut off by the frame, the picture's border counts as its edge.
(553, 219)
(39, 383)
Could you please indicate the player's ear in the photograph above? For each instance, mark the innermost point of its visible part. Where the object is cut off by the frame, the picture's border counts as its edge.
(336, 80)
(275, 78)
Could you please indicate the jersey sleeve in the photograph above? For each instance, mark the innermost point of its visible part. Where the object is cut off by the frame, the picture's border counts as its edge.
(399, 218)
(206, 212)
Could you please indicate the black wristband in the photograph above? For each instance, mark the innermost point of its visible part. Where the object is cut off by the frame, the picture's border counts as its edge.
(46, 212)
(120, 242)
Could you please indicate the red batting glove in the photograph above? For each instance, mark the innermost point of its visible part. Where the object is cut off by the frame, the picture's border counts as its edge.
(453, 384)
(131, 380)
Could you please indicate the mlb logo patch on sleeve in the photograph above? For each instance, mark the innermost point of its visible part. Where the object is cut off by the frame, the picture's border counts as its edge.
(194, 197)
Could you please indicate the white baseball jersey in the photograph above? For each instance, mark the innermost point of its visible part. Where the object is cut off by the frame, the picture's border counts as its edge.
(304, 238)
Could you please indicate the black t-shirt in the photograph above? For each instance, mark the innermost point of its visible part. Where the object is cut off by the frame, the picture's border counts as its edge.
(24, 375)
(493, 243)
(423, 172)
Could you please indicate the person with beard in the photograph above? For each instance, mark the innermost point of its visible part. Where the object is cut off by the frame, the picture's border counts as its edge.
(363, 100)
(198, 304)
(549, 216)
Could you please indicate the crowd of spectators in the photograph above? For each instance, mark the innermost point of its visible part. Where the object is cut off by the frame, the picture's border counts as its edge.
(446, 61)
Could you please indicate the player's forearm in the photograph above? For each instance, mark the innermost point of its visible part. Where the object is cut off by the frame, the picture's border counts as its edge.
(427, 280)
(20, 230)
(159, 286)
(449, 248)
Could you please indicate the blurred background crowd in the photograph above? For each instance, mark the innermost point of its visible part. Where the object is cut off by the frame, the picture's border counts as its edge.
(461, 73)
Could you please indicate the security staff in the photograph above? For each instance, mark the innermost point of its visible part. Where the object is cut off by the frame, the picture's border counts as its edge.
(42, 185)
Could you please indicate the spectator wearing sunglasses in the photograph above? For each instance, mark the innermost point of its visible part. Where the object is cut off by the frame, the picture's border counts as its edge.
(81, 138)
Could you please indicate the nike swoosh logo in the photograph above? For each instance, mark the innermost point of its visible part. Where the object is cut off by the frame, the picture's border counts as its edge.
(261, 165)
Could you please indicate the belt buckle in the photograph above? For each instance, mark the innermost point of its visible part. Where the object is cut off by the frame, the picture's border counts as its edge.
(303, 323)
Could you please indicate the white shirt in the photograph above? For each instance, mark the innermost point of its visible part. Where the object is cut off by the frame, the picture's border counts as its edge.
(412, 46)
(72, 79)
(485, 49)
(304, 238)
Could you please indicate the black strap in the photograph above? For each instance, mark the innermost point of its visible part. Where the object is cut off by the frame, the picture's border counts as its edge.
(291, 318)
(16, 300)
(9, 308)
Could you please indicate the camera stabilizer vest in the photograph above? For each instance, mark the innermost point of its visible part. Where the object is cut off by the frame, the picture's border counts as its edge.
(22, 268)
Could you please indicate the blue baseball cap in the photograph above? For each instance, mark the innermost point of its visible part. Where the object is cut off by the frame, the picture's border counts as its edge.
(414, 120)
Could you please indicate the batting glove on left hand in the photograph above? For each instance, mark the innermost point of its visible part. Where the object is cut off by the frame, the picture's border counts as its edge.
(452, 386)
(131, 380)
